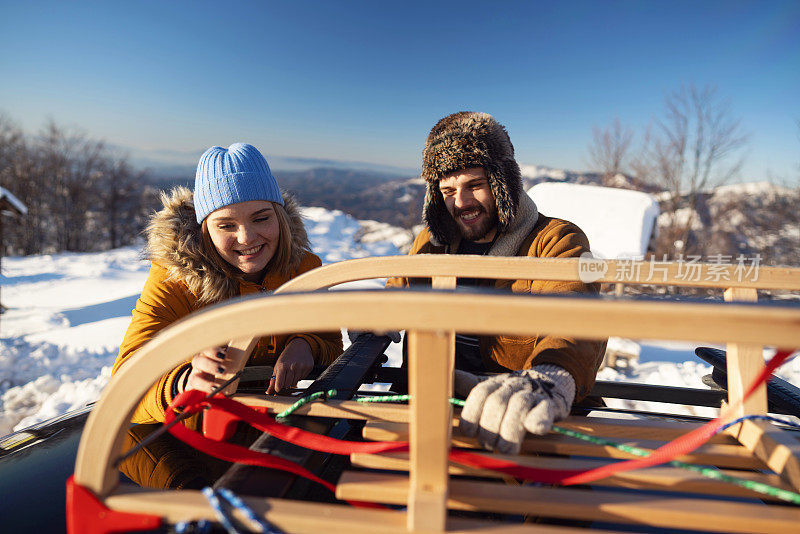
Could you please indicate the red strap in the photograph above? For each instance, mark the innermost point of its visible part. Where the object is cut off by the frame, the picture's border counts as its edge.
(265, 422)
(666, 453)
(193, 399)
(309, 440)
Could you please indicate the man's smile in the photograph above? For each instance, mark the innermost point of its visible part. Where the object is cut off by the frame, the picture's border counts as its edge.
(469, 215)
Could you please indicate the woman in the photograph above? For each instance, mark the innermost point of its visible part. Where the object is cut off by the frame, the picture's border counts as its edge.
(236, 235)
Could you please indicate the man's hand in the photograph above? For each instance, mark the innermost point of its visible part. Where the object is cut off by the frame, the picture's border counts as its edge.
(501, 408)
(293, 365)
(207, 366)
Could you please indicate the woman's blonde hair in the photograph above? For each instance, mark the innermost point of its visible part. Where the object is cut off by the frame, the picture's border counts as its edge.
(280, 261)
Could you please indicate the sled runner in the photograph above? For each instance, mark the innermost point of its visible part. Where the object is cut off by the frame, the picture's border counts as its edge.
(440, 481)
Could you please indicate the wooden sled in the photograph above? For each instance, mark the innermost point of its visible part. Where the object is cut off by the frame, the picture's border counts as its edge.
(423, 481)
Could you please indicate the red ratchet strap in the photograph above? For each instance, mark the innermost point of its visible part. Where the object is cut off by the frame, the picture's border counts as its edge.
(195, 401)
(666, 453)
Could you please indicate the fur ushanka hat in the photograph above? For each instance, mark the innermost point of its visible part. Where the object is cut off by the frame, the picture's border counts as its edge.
(460, 141)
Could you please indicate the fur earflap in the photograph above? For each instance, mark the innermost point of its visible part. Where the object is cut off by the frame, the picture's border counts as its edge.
(174, 241)
(460, 141)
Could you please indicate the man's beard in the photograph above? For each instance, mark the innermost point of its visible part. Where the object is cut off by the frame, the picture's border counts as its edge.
(475, 232)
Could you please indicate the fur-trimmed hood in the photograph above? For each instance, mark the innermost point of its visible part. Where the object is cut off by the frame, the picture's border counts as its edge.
(174, 241)
(460, 141)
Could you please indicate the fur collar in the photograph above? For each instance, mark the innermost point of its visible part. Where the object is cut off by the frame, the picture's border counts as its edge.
(174, 241)
(518, 230)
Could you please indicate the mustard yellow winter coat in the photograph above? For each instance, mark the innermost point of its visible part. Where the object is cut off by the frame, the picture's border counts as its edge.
(182, 281)
(534, 235)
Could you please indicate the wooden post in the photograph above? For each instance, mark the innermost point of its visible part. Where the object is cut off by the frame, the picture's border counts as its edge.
(430, 378)
(239, 351)
(745, 362)
(443, 282)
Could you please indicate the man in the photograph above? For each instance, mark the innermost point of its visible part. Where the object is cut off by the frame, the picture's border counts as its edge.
(475, 204)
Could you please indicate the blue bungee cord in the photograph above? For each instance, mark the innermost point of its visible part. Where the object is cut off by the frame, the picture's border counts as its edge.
(239, 504)
(763, 418)
(215, 499)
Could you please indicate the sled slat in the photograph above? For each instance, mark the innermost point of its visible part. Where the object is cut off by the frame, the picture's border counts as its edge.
(339, 409)
(607, 427)
(303, 517)
(650, 429)
(596, 505)
(721, 455)
(654, 478)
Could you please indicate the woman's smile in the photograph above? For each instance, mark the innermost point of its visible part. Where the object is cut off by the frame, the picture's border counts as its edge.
(251, 251)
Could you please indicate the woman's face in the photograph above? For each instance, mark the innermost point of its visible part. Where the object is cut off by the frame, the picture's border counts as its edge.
(245, 235)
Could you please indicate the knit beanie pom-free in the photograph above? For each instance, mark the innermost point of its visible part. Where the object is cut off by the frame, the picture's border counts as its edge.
(231, 175)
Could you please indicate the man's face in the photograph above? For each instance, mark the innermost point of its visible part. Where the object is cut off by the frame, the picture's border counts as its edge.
(470, 201)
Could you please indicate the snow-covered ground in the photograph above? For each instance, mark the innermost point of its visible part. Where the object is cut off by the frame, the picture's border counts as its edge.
(67, 314)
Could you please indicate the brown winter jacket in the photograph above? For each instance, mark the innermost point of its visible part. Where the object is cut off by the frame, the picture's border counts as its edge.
(546, 238)
(182, 281)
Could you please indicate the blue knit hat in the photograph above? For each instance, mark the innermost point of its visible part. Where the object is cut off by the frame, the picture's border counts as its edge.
(231, 175)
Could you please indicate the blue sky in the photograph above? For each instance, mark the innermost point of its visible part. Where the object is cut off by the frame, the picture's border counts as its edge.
(365, 81)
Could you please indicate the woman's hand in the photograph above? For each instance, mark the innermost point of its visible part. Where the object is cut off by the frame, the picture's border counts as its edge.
(293, 365)
(207, 366)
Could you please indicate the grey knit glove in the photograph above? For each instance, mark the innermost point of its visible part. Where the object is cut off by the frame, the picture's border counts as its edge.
(501, 408)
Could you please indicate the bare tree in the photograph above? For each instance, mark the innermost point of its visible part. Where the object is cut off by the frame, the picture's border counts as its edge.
(608, 151)
(696, 145)
(17, 165)
(74, 165)
(11, 141)
(122, 200)
(80, 196)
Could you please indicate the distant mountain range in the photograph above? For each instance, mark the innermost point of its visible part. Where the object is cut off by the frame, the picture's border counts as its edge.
(371, 192)
(734, 219)
(177, 165)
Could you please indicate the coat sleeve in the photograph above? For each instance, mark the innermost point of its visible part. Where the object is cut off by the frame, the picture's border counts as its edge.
(421, 242)
(581, 358)
(162, 303)
(325, 346)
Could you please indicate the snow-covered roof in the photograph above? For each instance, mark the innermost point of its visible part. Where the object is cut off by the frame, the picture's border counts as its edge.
(12, 201)
(618, 222)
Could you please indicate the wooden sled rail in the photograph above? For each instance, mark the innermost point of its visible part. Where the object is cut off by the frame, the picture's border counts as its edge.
(430, 318)
(739, 282)
(708, 275)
